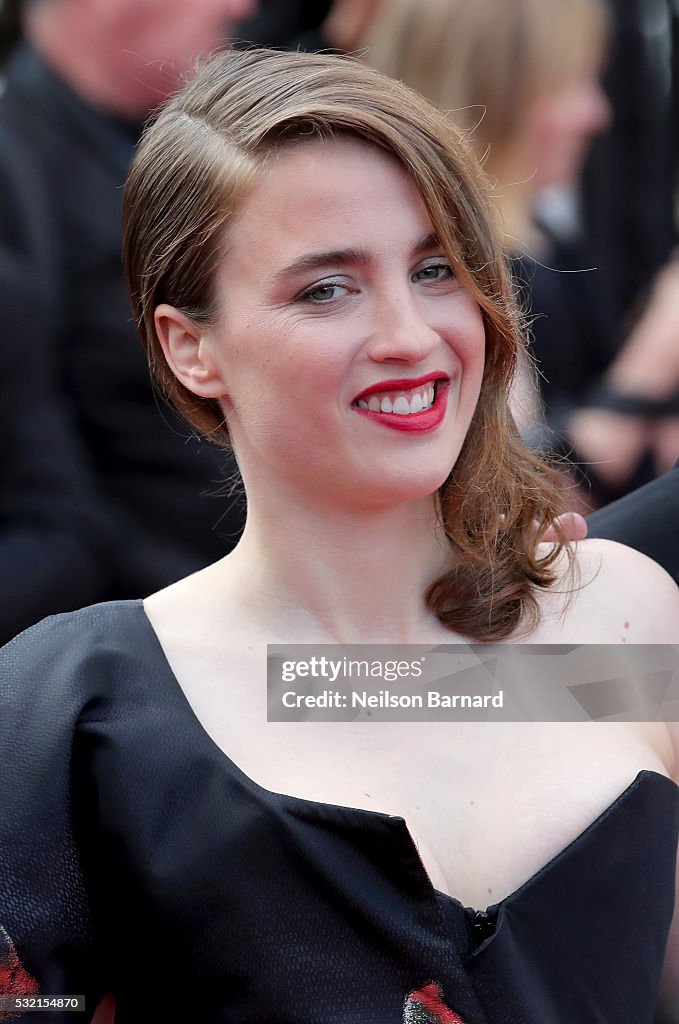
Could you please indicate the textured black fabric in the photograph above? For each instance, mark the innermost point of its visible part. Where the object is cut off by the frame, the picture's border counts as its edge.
(136, 857)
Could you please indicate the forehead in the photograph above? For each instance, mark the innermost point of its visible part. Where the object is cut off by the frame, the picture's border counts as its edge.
(337, 191)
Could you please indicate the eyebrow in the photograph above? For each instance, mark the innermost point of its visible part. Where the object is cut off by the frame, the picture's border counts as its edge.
(344, 257)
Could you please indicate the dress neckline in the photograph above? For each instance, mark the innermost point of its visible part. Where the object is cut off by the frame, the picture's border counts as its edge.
(394, 822)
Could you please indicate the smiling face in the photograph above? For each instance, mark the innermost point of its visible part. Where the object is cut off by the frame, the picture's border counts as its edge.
(347, 357)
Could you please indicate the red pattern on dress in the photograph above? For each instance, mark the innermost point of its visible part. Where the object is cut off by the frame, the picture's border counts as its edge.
(429, 997)
(14, 978)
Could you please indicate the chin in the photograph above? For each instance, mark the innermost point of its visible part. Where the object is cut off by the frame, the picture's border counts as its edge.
(402, 489)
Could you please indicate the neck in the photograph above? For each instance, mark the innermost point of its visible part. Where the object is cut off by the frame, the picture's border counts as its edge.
(340, 576)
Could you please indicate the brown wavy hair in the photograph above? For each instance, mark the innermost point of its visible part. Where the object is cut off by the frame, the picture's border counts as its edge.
(194, 165)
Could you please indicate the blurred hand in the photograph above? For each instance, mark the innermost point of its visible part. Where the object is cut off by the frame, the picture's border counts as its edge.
(572, 524)
(611, 443)
(648, 363)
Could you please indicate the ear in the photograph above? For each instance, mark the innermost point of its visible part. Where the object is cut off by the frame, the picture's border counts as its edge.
(188, 353)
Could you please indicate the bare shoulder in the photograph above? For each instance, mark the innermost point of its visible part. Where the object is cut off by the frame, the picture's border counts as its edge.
(630, 582)
(674, 733)
(622, 596)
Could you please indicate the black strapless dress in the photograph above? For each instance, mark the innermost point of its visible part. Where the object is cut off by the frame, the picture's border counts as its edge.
(135, 857)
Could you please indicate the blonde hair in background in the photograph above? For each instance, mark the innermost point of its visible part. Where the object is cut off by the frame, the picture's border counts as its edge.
(485, 62)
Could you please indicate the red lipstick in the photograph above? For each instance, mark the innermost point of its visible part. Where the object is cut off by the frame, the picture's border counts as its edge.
(401, 384)
(414, 422)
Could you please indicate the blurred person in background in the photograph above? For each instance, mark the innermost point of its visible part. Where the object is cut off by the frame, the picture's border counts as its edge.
(626, 193)
(51, 526)
(296, 23)
(93, 464)
(646, 519)
(338, 25)
(10, 25)
(523, 77)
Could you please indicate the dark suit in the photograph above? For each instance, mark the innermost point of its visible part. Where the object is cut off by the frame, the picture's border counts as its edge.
(137, 495)
(50, 525)
(628, 183)
(294, 25)
(647, 519)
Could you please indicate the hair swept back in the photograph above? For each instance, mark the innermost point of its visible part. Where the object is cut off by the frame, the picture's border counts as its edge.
(194, 164)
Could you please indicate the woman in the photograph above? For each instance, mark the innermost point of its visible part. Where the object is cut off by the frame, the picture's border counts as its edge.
(317, 279)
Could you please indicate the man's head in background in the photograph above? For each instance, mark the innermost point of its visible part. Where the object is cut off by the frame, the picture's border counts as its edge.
(127, 56)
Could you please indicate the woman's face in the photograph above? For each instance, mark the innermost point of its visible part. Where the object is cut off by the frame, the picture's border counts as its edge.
(559, 128)
(350, 356)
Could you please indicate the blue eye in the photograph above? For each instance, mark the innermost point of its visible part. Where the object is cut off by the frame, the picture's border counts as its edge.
(323, 292)
(433, 272)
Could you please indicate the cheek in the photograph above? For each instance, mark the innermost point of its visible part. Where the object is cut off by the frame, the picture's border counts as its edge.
(548, 134)
(277, 368)
(547, 131)
(314, 356)
(563, 128)
(467, 336)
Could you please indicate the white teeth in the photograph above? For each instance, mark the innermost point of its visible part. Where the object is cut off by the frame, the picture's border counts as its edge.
(401, 405)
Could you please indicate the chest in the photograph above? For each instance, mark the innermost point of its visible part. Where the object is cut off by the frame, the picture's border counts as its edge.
(208, 876)
(486, 804)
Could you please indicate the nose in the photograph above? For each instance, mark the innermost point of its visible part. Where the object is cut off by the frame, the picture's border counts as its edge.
(400, 331)
(597, 113)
